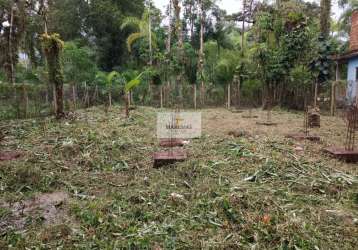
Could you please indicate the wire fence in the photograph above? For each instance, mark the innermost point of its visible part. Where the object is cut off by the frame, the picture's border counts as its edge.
(28, 100)
(21, 101)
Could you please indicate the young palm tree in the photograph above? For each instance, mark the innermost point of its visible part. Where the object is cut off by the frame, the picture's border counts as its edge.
(107, 80)
(128, 87)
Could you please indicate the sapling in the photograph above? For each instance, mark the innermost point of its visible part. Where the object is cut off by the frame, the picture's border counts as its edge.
(129, 86)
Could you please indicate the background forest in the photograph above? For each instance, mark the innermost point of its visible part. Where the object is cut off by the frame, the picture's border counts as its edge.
(193, 55)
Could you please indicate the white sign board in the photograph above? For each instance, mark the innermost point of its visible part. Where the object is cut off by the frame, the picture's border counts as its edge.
(183, 125)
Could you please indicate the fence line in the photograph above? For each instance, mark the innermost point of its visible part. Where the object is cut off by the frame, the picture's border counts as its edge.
(36, 100)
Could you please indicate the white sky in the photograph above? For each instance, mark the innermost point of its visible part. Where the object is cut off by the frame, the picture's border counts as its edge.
(232, 6)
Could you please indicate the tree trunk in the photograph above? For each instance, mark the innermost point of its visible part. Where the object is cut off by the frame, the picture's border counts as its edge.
(54, 96)
(95, 94)
(194, 86)
(333, 97)
(127, 105)
(132, 99)
(201, 53)
(11, 61)
(238, 93)
(333, 90)
(229, 96)
(161, 96)
(46, 96)
(243, 28)
(74, 98)
(53, 47)
(150, 35)
(86, 96)
(110, 99)
(325, 19)
(59, 101)
(192, 21)
(315, 94)
(25, 100)
(169, 27)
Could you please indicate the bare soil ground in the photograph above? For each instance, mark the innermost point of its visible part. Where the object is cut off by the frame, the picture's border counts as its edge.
(89, 183)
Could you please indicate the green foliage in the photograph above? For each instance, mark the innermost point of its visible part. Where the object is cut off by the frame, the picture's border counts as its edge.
(26, 75)
(104, 21)
(285, 43)
(2, 76)
(226, 67)
(191, 64)
(11, 108)
(272, 64)
(106, 35)
(250, 87)
(142, 27)
(111, 76)
(109, 80)
(322, 62)
(301, 76)
(101, 78)
(53, 47)
(134, 82)
(344, 24)
(79, 63)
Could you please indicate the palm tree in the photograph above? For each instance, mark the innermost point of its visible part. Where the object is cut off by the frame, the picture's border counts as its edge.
(107, 80)
(131, 84)
(143, 27)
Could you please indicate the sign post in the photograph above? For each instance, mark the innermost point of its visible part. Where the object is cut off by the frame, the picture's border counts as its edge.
(174, 129)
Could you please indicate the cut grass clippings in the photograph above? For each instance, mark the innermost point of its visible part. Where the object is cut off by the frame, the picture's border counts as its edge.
(256, 191)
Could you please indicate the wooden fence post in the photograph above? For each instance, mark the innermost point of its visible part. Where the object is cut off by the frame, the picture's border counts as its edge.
(333, 90)
(26, 99)
(333, 97)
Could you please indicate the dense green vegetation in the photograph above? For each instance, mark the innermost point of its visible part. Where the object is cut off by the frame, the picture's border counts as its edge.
(271, 53)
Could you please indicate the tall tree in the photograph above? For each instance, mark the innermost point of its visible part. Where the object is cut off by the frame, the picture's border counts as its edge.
(178, 31)
(53, 47)
(201, 53)
(12, 25)
(169, 37)
(325, 18)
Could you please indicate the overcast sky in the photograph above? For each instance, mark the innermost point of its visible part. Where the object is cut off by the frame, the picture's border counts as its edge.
(232, 6)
